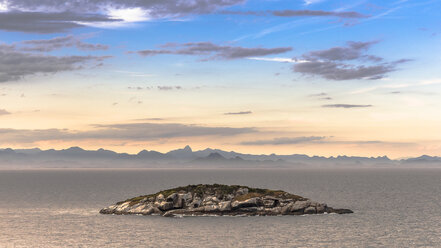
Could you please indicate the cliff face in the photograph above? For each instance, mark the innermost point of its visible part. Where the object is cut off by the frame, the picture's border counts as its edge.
(216, 199)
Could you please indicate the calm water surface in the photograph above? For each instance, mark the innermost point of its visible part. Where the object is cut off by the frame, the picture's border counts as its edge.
(59, 208)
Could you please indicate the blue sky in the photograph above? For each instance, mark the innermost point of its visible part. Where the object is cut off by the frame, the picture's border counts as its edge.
(334, 77)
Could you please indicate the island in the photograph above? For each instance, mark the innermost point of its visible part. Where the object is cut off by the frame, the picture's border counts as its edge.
(220, 200)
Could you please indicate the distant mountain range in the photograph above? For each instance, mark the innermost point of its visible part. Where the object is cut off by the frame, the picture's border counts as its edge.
(76, 157)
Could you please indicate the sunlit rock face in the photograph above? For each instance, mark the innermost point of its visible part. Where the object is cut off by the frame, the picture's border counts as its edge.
(216, 199)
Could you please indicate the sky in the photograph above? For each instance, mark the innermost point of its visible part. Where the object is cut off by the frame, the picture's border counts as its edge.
(315, 77)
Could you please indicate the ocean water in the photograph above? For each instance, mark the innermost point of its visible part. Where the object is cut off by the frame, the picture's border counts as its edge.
(59, 208)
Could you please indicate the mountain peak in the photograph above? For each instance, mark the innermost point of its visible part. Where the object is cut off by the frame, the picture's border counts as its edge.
(75, 148)
(187, 148)
(215, 155)
(185, 152)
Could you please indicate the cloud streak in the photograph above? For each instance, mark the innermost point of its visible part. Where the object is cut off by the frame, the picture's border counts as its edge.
(320, 140)
(15, 65)
(346, 63)
(298, 13)
(43, 22)
(48, 16)
(284, 141)
(212, 51)
(4, 112)
(168, 88)
(59, 43)
(353, 51)
(123, 132)
(322, 94)
(346, 106)
(157, 9)
(239, 113)
(398, 86)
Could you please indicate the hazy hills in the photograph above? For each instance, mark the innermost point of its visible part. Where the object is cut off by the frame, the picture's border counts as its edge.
(76, 157)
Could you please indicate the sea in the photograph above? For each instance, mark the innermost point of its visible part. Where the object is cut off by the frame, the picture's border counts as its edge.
(393, 207)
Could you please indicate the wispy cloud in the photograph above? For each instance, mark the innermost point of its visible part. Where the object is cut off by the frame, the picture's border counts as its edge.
(47, 16)
(320, 140)
(167, 88)
(397, 86)
(279, 59)
(15, 65)
(289, 25)
(298, 13)
(318, 94)
(4, 112)
(123, 132)
(150, 119)
(212, 51)
(341, 63)
(239, 113)
(321, 96)
(346, 106)
(283, 141)
(346, 63)
(44, 22)
(280, 27)
(159, 87)
(309, 2)
(156, 9)
(59, 43)
(135, 74)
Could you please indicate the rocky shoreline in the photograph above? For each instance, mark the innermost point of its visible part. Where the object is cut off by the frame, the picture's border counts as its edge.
(222, 200)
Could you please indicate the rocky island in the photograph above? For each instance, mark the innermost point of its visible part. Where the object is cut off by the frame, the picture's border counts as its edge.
(217, 199)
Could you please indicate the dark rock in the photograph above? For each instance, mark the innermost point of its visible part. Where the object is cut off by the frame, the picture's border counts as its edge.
(269, 203)
(341, 211)
(321, 208)
(173, 197)
(310, 210)
(249, 209)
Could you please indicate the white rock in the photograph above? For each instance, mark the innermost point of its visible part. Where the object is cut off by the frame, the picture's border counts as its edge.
(122, 207)
(160, 198)
(225, 206)
(253, 202)
(164, 206)
(309, 210)
(187, 197)
(299, 205)
(211, 208)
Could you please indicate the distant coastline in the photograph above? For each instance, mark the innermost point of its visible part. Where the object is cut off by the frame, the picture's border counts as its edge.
(76, 157)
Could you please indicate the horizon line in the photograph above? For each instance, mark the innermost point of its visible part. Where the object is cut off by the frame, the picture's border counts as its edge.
(185, 147)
